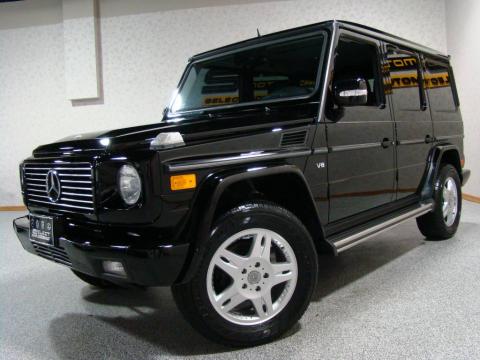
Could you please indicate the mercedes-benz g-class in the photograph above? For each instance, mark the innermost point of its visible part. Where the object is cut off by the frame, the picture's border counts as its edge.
(272, 150)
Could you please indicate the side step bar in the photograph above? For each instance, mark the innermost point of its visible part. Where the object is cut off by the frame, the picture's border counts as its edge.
(343, 243)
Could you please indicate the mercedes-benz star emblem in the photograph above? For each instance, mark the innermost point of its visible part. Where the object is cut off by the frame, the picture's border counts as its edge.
(54, 188)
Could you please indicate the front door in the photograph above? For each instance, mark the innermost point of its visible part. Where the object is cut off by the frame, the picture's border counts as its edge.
(361, 159)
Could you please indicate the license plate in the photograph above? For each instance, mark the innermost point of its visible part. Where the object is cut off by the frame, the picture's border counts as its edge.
(41, 229)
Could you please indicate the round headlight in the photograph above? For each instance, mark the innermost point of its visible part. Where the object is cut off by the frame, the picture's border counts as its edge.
(129, 184)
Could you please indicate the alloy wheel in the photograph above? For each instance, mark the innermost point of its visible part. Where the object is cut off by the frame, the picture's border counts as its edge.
(449, 201)
(252, 276)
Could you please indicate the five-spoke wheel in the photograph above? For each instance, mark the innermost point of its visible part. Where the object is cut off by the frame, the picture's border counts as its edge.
(256, 277)
(450, 201)
(252, 276)
(442, 222)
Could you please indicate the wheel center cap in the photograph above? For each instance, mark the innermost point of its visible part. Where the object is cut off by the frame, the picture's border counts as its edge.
(253, 277)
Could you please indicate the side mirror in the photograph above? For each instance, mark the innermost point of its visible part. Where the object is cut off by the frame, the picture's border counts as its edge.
(350, 92)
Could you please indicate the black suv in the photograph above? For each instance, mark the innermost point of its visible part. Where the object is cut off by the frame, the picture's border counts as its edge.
(272, 150)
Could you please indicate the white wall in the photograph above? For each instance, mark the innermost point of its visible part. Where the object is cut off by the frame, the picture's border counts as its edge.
(463, 27)
(144, 48)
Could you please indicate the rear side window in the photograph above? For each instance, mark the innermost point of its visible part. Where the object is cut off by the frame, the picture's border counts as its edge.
(404, 74)
(438, 84)
(269, 72)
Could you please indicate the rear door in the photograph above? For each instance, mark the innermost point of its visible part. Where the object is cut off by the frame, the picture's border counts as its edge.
(361, 164)
(414, 132)
(444, 104)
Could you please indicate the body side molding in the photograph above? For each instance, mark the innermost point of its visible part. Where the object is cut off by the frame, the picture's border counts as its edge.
(233, 160)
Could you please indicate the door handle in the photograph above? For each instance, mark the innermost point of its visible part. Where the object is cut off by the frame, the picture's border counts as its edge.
(429, 139)
(386, 143)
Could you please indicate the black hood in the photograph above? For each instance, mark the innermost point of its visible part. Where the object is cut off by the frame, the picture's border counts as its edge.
(196, 128)
(113, 141)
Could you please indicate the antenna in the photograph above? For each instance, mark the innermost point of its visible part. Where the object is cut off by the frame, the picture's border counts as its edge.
(258, 33)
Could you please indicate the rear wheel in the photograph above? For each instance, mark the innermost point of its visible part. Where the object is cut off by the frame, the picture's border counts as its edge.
(97, 282)
(442, 222)
(255, 280)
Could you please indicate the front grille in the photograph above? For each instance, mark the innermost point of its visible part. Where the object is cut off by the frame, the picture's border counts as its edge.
(52, 253)
(76, 185)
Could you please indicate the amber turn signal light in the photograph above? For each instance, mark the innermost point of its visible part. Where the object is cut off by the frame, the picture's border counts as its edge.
(182, 182)
(462, 163)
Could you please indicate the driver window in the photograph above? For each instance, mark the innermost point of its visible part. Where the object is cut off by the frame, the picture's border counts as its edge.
(358, 59)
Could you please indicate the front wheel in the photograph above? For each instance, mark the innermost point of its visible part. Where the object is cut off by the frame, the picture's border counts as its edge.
(442, 222)
(256, 278)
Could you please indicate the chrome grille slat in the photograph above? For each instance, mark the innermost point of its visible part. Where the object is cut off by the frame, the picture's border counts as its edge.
(37, 185)
(39, 196)
(76, 188)
(75, 175)
(61, 205)
(60, 168)
(30, 179)
(37, 190)
(76, 180)
(76, 194)
(75, 200)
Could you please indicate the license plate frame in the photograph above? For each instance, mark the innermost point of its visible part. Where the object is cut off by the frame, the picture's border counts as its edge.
(41, 229)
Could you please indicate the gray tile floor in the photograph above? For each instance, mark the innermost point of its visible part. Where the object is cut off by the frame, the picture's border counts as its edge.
(396, 296)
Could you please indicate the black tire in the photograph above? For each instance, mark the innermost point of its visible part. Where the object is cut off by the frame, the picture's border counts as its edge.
(97, 282)
(433, 225)
(192, 298)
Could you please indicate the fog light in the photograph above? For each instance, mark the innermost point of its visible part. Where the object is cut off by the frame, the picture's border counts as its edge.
(114, 267)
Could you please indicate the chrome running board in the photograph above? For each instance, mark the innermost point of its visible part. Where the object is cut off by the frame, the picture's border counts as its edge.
(343, 243)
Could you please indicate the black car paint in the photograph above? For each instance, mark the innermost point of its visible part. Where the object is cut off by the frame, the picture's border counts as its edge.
(336, 195)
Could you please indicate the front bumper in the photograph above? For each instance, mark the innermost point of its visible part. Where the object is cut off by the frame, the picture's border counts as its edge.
(155, 265)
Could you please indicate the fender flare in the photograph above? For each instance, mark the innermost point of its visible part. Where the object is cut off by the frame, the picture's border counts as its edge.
(433, 166)
(208, 198)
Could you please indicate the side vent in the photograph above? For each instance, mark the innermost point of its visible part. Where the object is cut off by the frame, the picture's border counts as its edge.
(296, 138)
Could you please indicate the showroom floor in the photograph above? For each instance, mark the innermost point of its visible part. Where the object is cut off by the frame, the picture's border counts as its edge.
(396, 296)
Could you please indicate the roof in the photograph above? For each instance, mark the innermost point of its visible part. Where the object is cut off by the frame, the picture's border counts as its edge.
(330, 24)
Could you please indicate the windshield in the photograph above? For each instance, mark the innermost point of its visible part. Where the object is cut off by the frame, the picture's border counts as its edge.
(278, 70)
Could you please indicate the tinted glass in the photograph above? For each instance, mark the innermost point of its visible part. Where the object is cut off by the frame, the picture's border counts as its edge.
(356, 59)
(437, 82)
(404, 73)
(275, 71)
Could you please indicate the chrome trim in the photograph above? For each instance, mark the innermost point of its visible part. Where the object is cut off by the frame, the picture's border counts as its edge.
(355, 239)
(411, 142)
(446, 137)
(239, 159)
(77, 188)
(75, 194)
(354, 147)
(75, 175)
(76, 181)
(80, 198)
(320, 150)
(57, 168)
(62, 205)
(37, 185)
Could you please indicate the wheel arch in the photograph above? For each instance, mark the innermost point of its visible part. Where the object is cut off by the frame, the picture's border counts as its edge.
(440, 154)
(217, 195)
